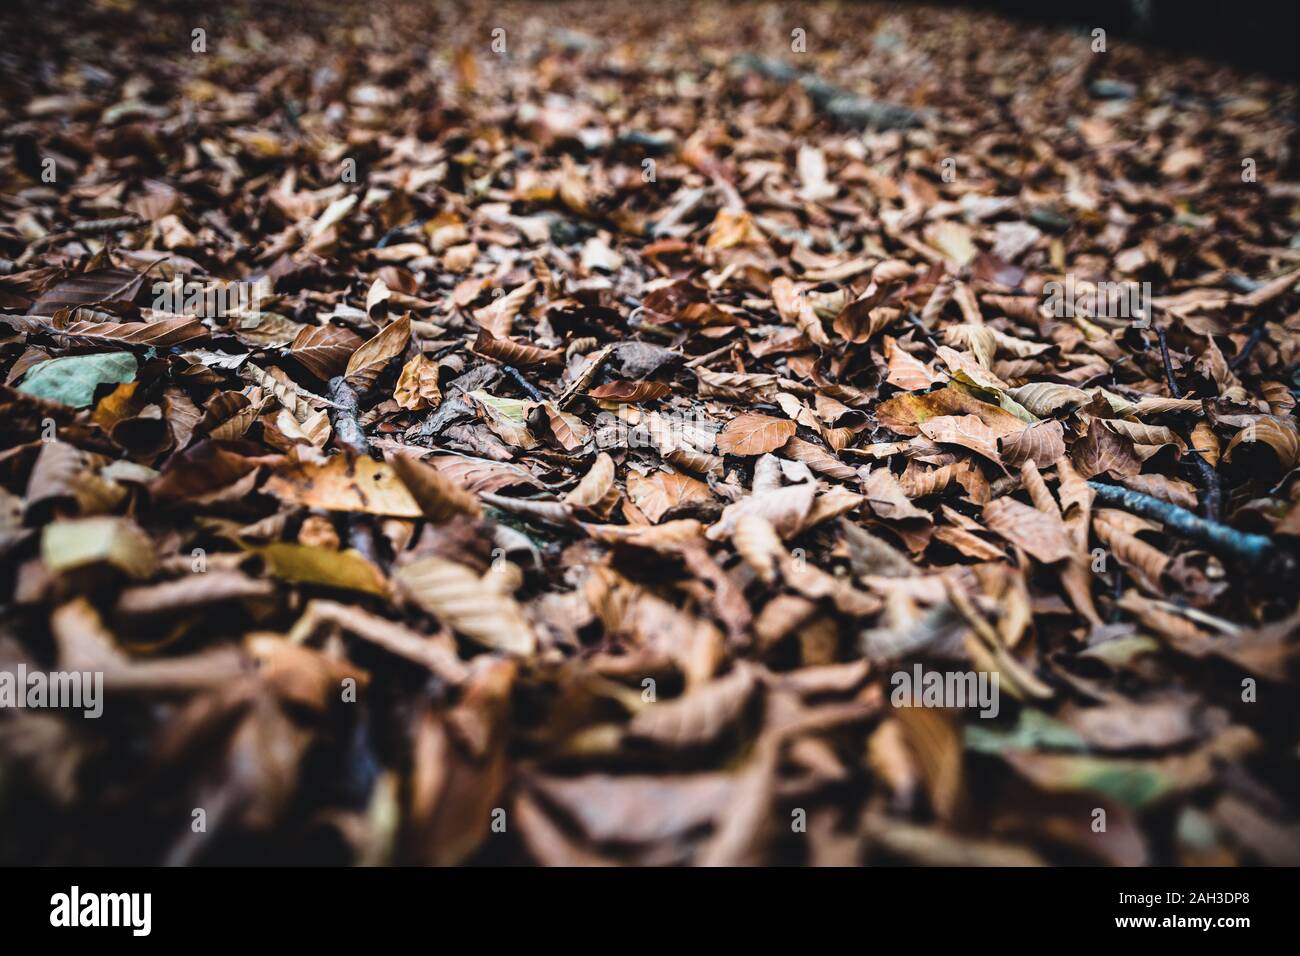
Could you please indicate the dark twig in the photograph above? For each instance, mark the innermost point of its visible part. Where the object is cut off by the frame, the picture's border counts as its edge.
(915, 320)
(363, 539)
(1174, 390)
(87, 227)
(1256, 335)
(1253, 549)
(92, 227)
(348, 432)
(526, 385)
(1210, 486)
(841, 105)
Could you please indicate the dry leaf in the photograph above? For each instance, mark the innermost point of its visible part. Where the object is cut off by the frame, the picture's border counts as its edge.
(750, 434)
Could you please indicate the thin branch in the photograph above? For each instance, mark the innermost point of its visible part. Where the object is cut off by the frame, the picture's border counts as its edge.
(526, 385)
(1210, 486)
(1174, 390)
(710, 356)
(347, 424)
(1254, 549)
(1256, 335)
(1212, 496)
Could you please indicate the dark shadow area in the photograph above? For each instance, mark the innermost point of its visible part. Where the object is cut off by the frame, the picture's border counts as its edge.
(1256, 35)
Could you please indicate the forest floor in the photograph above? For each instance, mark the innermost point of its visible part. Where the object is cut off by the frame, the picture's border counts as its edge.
(598, 433)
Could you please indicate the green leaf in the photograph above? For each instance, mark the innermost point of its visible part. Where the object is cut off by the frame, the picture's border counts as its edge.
(73, 379)
(1134, 783)
(515, 409)
(1034, 730)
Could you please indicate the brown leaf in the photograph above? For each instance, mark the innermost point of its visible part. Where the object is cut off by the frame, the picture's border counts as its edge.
(596, 492)
(498, 318)
(1282, 439)
(368, 361)
(906, 371)
(161, 334)
(888, 500)
(635, 808)
(906, 412)
(817, 458)
(966, 431)
(438, 497)
(88, 288)
(1042, 535)
(699, 715)
(1042, 443)
(630, 391)
(1048, 398)
(786, 509)
(750, 434)
(345, 483)
(324, 350)
(515, 353)
(468, 604)
(417, 385)
(660, 492)
(1102, 450)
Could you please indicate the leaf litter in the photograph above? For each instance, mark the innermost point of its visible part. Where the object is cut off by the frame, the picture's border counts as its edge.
(621, 414)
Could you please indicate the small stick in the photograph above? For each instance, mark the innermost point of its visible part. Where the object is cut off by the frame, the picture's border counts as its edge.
(634, 322)
(84, 227)
(350, 435)
(90, 227)
(347, 425)
(1256, 334)
(526, 385)
(1174, 390)
(915, 320)
(1210, 484)
(709, 357)
(1254, 549)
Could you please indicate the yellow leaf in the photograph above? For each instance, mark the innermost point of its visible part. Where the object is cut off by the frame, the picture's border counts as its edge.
(102, 540)
(336, 569)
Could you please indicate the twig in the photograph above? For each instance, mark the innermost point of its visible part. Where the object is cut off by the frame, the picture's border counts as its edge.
(841, 105)
(362, 538)
(349, 433)
(710, 356)
(1174, 390)
(1210, 484)
(84, 227)
(90, 227)
(347, 424)
(915, 320)
(1253, 549)
(526, 385)
(634, 322)
(1256, 334)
